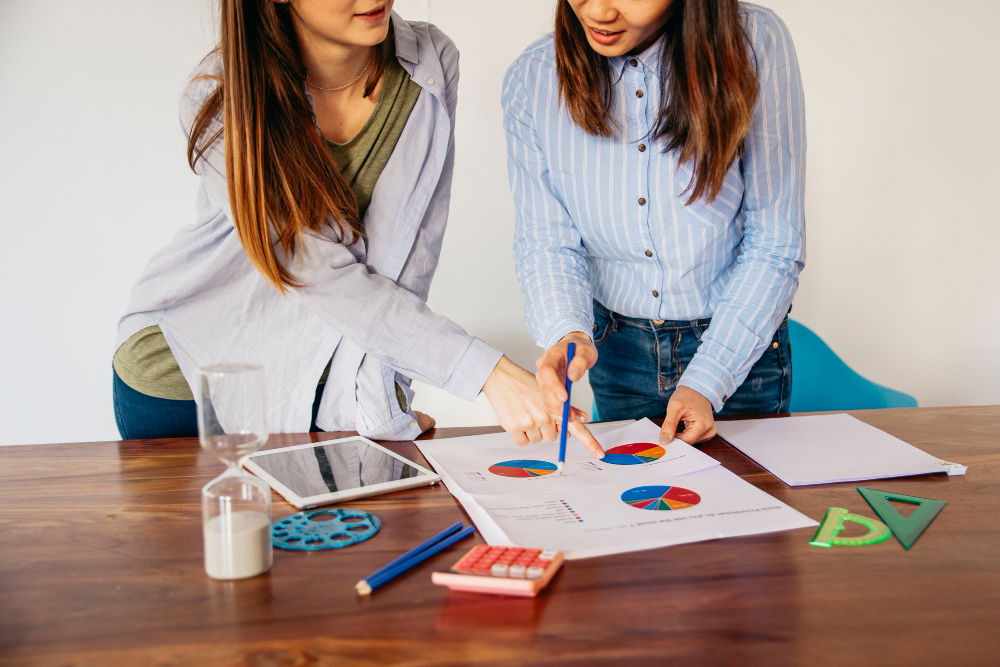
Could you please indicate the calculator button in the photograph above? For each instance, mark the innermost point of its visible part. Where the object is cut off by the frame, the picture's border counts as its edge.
(516, 571)
(547, 554)
(534, 572)
(499, 570)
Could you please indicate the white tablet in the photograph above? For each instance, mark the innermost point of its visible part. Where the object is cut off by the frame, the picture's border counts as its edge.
(320, 473)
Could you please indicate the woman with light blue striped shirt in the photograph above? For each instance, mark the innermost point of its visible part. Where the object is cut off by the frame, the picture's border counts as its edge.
(656, 152)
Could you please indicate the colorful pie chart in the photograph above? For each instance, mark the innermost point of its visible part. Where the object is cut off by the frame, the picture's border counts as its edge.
(522, 468)
(660, 497)
(633, 454)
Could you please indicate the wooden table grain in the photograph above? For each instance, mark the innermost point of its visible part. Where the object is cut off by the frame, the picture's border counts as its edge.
(101, 563)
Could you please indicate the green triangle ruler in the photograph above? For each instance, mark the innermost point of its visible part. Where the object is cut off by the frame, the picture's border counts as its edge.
(906, 529)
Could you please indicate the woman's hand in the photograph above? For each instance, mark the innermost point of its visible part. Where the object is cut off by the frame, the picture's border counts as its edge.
(688, 406)
(552, 368)
(424, 421)
(513, 392)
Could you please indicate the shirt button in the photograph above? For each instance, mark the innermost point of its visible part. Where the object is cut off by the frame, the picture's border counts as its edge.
(649, 253)
(642, 148)
(430, 82)
(633, 62)
(642, 201)
(639, 93)
(655, 293)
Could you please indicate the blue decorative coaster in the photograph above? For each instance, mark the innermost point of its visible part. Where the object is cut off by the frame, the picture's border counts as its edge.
(338, 528)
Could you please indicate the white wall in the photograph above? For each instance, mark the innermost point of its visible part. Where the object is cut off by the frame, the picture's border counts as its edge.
(903, 225)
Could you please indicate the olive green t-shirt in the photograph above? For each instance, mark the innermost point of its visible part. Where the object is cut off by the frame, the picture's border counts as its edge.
(362, 159)
(145, 362)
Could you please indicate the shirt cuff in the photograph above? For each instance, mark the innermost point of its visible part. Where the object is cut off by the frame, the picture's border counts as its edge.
(710, 379)
(473, 369)
(567, 325)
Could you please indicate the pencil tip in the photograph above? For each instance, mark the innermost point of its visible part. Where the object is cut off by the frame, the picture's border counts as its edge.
(363, 588)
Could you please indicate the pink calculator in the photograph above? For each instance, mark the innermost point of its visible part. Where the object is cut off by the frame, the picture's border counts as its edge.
(501, 570)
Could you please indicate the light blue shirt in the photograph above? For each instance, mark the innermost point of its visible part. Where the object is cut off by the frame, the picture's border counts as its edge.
(605, 218)
(362, 305)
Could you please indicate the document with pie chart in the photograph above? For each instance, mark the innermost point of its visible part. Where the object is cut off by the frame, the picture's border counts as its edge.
(492, 464)
(640, 495)
(608, 519)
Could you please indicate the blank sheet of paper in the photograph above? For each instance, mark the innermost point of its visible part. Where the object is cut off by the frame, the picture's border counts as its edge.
(817, 449)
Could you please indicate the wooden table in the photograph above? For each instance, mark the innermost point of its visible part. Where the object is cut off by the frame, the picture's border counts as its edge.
(101, 563)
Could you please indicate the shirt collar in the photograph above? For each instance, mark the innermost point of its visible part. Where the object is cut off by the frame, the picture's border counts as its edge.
(406, 40)
(649, 59)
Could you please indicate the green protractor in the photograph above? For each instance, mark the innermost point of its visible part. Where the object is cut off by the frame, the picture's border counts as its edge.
(833, 523)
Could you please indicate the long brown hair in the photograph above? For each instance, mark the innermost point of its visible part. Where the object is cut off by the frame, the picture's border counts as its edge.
(708, 78)
(281, 178)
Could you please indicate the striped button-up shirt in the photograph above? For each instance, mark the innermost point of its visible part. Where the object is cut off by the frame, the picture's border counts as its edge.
(605, 218)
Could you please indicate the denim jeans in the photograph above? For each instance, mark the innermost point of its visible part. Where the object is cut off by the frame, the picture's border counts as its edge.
(640, 362)
(140, 416)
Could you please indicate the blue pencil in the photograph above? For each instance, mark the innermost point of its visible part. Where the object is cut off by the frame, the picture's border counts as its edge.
(453, 528)
(570, 351)
(411, 559)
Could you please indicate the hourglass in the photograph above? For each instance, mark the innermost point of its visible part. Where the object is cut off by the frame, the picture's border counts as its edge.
(236, 507)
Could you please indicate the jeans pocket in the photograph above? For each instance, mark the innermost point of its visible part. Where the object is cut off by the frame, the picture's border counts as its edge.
(602, 324)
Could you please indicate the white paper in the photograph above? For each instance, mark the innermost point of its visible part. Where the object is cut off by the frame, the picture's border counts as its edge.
(581, 510)
(596, 522)
(816, 449)
(467, 460)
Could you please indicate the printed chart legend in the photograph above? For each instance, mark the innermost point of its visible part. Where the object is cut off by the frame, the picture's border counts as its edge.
(572, 511)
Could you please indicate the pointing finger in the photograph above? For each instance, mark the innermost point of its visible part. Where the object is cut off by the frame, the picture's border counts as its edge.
(579, 431)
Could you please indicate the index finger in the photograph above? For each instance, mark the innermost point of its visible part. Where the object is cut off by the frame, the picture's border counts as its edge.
(580, 431)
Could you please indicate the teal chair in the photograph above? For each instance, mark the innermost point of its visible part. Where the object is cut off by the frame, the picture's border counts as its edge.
(822, 381)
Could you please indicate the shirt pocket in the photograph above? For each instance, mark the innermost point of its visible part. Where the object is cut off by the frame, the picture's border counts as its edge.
(720, 211)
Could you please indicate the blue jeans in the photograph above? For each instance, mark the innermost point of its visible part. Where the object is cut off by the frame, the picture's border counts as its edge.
(639, 364)
(140, 416)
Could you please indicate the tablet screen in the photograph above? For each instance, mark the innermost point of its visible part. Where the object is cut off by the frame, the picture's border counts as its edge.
(332, 467)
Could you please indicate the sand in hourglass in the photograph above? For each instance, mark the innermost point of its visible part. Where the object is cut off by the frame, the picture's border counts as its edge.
(239, 550)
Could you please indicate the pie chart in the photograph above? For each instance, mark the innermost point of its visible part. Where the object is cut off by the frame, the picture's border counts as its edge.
(522, 468)
(660, 497)
(633, 454)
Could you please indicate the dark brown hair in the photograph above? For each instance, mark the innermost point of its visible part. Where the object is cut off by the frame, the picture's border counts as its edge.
(281, 178)
(709, 86)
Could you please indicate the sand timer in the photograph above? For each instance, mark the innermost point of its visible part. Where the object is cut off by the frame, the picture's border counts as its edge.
(236, 506)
